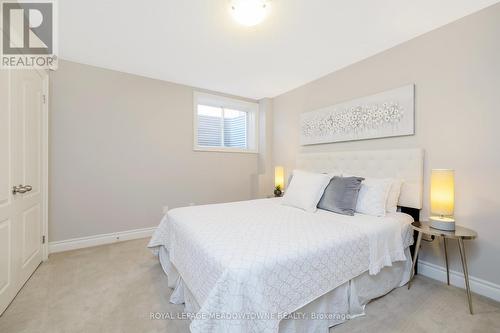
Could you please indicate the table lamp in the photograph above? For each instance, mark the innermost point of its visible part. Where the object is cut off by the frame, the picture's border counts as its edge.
(279, 180)
(442, 199)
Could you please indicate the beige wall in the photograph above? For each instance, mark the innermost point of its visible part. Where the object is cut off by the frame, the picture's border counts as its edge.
(121, 149)
(456, 70)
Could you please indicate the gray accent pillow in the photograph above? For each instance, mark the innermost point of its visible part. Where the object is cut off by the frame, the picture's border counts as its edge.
(341, 195)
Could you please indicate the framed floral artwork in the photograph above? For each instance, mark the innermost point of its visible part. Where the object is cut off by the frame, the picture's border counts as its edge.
(387, 114)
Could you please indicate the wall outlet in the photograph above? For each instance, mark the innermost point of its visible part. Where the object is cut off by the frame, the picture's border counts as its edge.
(165, 209)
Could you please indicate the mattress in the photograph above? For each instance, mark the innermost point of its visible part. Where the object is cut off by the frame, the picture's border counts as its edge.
(261, 260)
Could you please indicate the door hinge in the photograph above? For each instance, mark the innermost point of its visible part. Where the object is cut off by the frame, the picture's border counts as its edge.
(43, 239)
(44, 99)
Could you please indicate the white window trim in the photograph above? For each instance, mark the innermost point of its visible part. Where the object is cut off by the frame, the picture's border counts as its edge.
(226, 102)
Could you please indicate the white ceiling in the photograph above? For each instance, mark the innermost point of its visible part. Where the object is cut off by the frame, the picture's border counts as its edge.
(195, 42)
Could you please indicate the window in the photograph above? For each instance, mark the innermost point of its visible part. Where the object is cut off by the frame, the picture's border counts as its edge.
(225, 124)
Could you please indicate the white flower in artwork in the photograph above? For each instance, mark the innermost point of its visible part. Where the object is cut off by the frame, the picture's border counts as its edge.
(354, 119)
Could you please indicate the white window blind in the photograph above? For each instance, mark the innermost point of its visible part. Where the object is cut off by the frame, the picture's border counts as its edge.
(224, 124)
(220, 127)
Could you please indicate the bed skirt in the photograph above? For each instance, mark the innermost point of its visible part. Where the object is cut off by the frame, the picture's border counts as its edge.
(345, 302)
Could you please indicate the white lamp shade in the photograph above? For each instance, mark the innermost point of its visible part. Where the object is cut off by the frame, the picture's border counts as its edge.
(442, 192)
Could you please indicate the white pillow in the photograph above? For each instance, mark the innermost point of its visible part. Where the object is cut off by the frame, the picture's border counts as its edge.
(305, 190)
(393, 197)
(330, 173)
(373, 196)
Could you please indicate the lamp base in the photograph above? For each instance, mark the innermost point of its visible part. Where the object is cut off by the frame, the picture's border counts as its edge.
(442, 223)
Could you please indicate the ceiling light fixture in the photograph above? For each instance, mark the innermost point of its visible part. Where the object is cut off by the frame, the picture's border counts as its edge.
(249, 12)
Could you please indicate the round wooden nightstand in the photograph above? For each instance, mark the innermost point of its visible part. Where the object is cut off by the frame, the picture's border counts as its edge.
(460, 234)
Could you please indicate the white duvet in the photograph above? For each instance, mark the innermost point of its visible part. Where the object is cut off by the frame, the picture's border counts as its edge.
(249, 263)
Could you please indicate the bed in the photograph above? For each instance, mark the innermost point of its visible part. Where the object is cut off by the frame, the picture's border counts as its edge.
(259, 266)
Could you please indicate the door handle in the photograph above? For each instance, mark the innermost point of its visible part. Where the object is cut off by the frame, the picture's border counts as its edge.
(21, 189)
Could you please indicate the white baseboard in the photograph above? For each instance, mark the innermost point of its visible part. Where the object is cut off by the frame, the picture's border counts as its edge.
(477, 285)
(83, 242)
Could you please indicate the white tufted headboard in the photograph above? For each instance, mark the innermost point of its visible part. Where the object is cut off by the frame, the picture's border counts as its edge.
(405, 164)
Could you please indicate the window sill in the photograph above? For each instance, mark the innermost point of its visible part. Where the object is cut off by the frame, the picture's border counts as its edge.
(225, 150)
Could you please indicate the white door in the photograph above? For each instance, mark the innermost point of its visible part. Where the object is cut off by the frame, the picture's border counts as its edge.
(22, 205)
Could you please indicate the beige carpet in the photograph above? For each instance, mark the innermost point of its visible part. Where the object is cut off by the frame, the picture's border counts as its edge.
(114, 288)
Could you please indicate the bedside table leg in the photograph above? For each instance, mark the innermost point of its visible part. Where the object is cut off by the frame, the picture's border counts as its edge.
(415, 255)
(461, 247)
(446, 259)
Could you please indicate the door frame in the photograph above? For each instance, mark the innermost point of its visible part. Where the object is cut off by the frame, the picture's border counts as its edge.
(45, 165)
